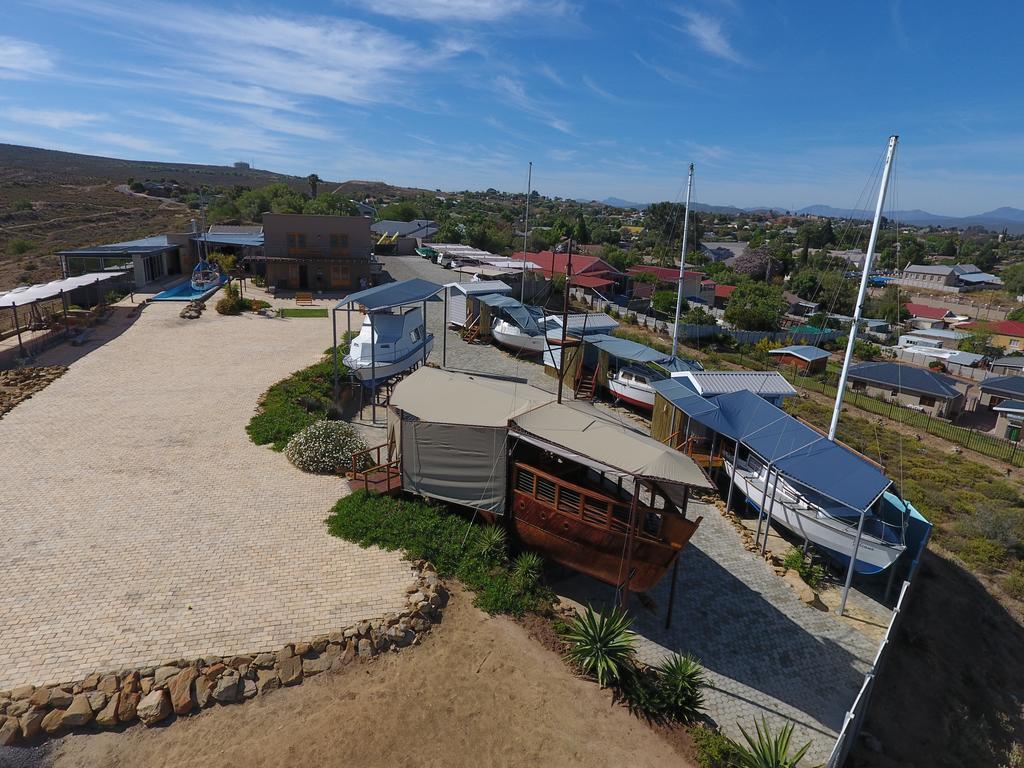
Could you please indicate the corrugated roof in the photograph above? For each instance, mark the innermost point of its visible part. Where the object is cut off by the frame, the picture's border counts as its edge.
(927, 311)
(480, 287)
(390, 295)
(1010, 406)
(763, 383)
(1014, 361)
(797, 451)
(803, 351)
(19, 297)
(1004, 385)
(155, 244)
(906, 378)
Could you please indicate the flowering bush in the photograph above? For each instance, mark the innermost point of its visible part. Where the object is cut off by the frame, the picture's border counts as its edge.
(324, 447)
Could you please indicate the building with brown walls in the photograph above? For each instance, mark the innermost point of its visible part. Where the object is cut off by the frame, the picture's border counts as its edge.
(304, 252)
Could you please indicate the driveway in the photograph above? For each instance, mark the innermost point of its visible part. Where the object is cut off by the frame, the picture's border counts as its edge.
(140, 524)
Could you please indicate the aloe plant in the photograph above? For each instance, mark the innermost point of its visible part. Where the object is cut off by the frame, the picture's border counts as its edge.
(491, 542)
(681, 681)
(527, 569)
(768, 750)
(600, 644)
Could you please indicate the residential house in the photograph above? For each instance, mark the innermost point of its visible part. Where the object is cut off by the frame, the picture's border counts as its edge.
(924, 316)
(147, 260)
(722, 295)
(918, 388)
(1009, 419)
(668, 279)
(306, 252)
(955, 278)
(402, 237)
(804, 358)
(800, 307)
(770, 385)
(998, 389)
(879, 329)
(721, 251)
(1008, 366)
(588, 272)
(933, 337)
(1007, 335)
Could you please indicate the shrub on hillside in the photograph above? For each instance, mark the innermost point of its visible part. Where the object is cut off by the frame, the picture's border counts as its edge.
(325, 447)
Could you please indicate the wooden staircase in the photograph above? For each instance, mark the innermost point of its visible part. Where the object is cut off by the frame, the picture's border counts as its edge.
(585, 385)
(472, 331)
(375, 471)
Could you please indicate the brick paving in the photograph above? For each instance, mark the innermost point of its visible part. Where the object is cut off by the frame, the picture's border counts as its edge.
(140, 524)
(765, 651)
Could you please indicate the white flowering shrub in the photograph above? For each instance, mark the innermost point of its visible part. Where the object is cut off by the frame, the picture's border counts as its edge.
(325, 447)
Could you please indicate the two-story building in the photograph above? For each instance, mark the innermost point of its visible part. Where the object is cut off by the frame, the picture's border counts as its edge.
(316, 253)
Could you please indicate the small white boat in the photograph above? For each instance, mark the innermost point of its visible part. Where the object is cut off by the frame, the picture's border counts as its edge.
(391, 344)
(814, 519)
(510, 335)
(632, 384)
(205, 275)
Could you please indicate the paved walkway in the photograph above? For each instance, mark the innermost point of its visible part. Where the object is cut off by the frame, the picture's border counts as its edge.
(765, 651)
(140, 524)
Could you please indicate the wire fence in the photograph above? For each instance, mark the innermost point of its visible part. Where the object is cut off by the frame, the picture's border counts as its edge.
(982, 442)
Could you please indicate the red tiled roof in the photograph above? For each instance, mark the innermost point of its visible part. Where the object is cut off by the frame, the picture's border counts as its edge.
(708, 282)
(590, 281)
(581, 262)
(925, 311)
(665, 274)
(1008, 328)
(724, 291)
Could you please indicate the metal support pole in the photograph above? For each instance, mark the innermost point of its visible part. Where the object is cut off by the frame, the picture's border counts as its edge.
(565, 316)
(624, 599)
(424, 339)
(768, 524)
(17, 329)
(64, 305)
(672, 593)
(334, 349)
(526, 236)
(853, 561)
(764, 500)
(373, 371)
(682, 263)
(732, 475)
(444, 333)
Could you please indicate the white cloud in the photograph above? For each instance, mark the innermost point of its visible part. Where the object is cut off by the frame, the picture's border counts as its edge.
(133, 143)
(515, 92)
(595, 88)
(58, 119)
(666, 73)
(707, 32)
(20, 59)
(552, 75)
(465, 10)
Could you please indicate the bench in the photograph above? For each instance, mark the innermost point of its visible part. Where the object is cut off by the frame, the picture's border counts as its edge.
(305, 299)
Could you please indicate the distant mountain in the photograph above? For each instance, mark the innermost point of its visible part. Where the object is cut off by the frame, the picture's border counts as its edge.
(1010, 218)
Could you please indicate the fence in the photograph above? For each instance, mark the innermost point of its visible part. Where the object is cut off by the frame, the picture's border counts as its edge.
(857, 714)
(963, 371)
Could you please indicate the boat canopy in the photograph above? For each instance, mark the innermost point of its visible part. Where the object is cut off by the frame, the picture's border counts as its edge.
(33, 293)
(793, 448)
(390, 295)
(624, 349)
(523, 316)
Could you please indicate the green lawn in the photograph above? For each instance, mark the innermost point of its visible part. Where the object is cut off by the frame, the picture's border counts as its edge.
(303, 312)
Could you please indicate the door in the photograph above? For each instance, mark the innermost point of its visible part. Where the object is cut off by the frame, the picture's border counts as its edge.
(303, 276)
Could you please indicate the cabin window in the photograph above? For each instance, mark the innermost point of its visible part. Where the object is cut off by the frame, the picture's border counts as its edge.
(640, 379)
(296, 239)
(626, 376)
(927, 401)
(339, 241)
(415, 335)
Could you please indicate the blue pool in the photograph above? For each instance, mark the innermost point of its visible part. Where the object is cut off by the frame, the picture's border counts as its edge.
(183, 291)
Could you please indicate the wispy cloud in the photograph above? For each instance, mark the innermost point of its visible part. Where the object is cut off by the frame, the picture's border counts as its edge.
(515, 93)
(464, 10)
(58, 119)
(547, 71)
(597, 89)
(707, 32)
(20, 59)
(561, 155)
(666, 73)
(133, 143)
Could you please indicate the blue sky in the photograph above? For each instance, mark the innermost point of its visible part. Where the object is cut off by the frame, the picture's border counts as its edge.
(777, 103)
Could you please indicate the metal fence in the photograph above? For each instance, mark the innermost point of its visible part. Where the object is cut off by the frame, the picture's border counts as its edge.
(857, 714)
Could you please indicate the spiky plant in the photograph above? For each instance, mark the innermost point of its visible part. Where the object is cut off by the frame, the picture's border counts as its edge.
(680, 683)
(768, 750)
(527, 569)
(600, 644)
(491, 543)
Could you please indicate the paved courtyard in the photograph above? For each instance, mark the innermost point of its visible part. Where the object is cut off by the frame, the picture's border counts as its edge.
(140, 524)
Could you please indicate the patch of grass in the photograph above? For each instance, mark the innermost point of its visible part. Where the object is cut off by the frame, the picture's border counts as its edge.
(19, 245)
(714, 748)
(303, 312)
(455, 547)
(813, 575)
(292, 404)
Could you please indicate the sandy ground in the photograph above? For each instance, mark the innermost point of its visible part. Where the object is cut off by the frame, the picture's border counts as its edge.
(479, 692)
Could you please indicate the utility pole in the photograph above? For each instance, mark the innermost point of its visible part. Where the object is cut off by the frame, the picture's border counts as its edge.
(565, 315)
(526, 235)
(682, 262)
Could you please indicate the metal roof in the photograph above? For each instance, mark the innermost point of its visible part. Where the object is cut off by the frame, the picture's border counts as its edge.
(906, 378)
(523, 316)
(802, 454)
(480, 287)
(981, 277)
(29, 294)
(231, 238)
(803, 351)
(1004, 385)
(155, 244)
(1014, 361)
(624, 349)
(391, 295)
(763, 383)
(1010, 406)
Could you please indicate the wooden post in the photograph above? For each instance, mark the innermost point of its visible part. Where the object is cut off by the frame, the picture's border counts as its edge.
(17, 328)
(424, 339)
(334, 349)
(672, 592)
(624, 600)
(444, 332)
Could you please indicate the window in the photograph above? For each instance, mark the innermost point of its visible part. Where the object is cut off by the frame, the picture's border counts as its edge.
(415, 334)
(339, 241)
(1014, 343)
(859, 386)
(296, 239)
(928, 402)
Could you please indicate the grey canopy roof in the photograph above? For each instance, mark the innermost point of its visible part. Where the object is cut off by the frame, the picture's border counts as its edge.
(523, 316)
(624, 349)
(28, 295)
(392, 295)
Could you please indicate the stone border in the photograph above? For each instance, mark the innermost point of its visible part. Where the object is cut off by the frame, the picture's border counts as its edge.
(182, 686)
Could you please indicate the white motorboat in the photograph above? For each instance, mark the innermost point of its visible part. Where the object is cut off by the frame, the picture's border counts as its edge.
(632, 384)
(828, 525)
(389, 344)
(510, 335)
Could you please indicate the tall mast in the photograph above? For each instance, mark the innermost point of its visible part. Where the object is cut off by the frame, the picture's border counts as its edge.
(859, 310)
(526, 235)
(682, 262)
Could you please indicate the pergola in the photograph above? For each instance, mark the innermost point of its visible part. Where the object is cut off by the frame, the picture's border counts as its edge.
(376, 300)
(20, 297)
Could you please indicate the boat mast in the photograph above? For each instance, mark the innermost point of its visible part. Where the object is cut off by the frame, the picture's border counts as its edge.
(682, 262)
(859, 310)
(526, 235)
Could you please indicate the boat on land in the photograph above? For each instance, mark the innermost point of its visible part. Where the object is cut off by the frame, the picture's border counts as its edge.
(389, 344)
(574, 482)
(205, 276)
(507, 333)
(632, 384)
(426, 252)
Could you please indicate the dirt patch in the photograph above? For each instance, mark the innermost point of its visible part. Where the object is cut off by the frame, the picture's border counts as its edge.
(478, 692)
(19, 384)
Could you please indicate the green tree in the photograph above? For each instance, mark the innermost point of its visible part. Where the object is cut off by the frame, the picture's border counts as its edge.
(1013, 279)
(664, 302)
(698, 316)
(755, 306)
(948, 249)
(330, 204)
(581, 232)
(978, 342)
(449, 232)
(400, 211)
(889, 306)
(314, 182)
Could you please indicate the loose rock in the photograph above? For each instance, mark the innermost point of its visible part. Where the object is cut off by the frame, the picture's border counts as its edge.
(163, 674)
(9, 731)
(128, 706)
(107, 717)
(59, 699)
(366, 650)
(316, 666)
(183, 697)
(264, 661)
(97, 700)
(290, 670)
(267, 680)
(154, 708)
(51, 721)
(248, 689)
(79, 713)
(31, 723)
(225, 690)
